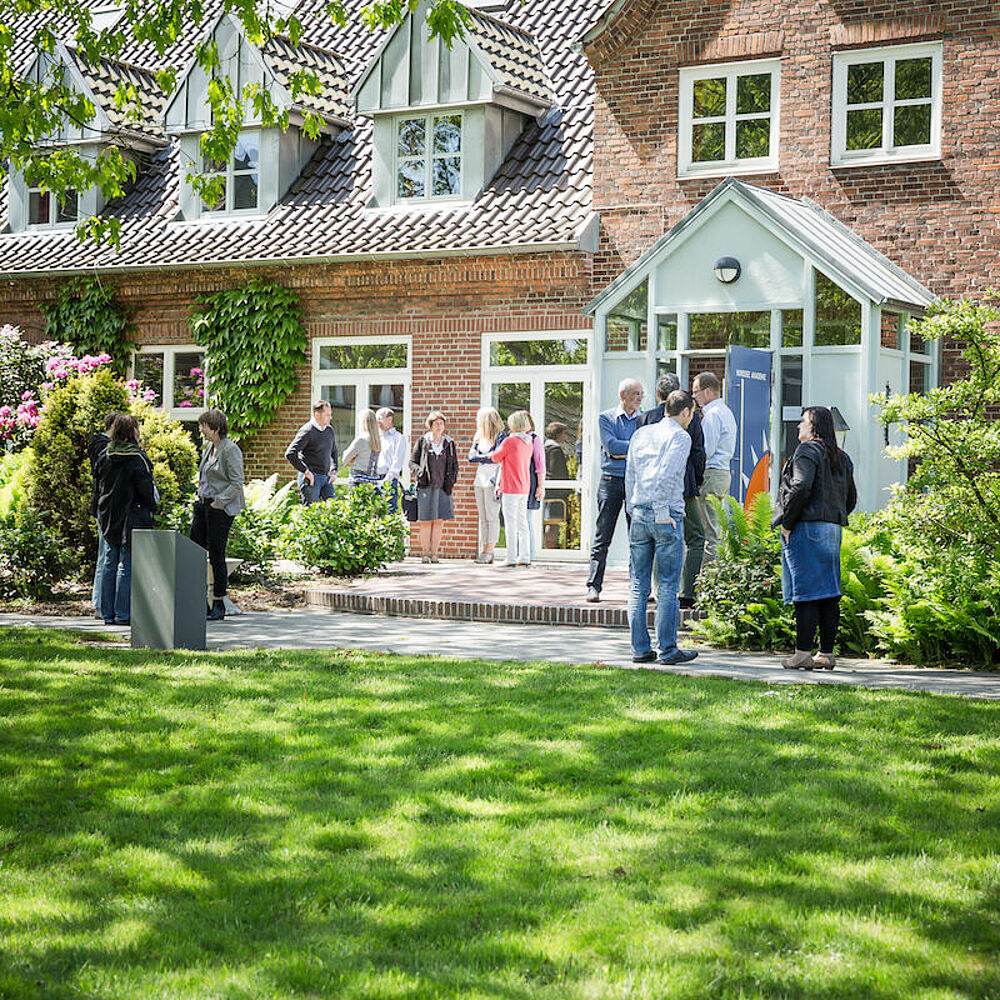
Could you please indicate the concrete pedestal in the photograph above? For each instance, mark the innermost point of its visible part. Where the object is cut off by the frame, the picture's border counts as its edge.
(168, 588)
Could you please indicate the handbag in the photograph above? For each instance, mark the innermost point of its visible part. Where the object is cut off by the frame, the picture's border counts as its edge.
(408, 503)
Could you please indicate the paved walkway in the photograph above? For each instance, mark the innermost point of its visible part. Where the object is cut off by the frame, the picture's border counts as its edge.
(311, 629)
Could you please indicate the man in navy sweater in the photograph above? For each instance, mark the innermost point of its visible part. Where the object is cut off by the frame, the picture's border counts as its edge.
(617, 427)
(314, 453)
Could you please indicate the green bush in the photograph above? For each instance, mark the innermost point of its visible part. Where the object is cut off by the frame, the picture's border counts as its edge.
(59, 481)
(351, 534)
(33, 558)
(257, 529)
(13, 483)
(740, 591)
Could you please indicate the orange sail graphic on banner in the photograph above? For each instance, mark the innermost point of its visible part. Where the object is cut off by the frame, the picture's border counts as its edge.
(760, 480)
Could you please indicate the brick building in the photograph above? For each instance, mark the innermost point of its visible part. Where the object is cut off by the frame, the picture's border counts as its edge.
(524, 218)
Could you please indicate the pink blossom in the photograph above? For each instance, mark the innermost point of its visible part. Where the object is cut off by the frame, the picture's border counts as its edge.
(185, 402)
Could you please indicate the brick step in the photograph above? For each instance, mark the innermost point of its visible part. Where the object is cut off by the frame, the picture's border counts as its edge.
(335, 599)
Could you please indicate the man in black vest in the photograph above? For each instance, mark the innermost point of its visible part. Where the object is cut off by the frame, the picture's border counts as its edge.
(314, 453)
(694, 529)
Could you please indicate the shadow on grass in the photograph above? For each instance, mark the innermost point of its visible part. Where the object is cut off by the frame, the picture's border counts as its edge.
(346, 825)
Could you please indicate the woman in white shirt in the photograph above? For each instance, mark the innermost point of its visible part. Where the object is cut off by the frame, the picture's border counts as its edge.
(489, 433)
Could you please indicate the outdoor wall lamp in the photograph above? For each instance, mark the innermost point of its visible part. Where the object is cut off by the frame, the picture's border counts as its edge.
(727, 269)
(840, 426)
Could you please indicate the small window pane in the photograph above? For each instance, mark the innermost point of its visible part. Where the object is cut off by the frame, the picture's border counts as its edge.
(666, 333)
(67, 209)
(189, 380)
(245, 191)
(570, 351)
(410, 179)
(393, 396)
(709, 98)
(220, 204)
(149, 371)
(411, 137)
(753, 138)
(448, 134)
(627, 322)
(708, 142)
(716, 331)
(362, 356)
(447, 171)
(342, 401)
(247, 154)
(791, 328)
(912, 126)
(791, 399)
(864, 129)
(753, 93)
(38, 208)
(913, 79)
(891, 326)
(920, 377)
(511, 396)
(864, 83)
(838, 316)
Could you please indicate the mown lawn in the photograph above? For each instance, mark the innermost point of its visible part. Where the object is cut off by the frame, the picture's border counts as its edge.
(348, 825)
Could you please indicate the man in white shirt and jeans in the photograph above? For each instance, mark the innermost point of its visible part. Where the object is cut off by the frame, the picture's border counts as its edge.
(654, 498)
(719, 427)
(392, 458)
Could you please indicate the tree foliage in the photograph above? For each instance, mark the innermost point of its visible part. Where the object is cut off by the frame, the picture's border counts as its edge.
(33, 111)
(255, 339)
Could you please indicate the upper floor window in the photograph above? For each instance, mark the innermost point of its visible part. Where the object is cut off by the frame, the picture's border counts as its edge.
(887, 104)
(46, 209)
(239, 176)
(729, 118)
(429, 156)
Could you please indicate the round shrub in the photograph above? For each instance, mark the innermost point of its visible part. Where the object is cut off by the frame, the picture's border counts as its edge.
(33, 559)
(348, 535)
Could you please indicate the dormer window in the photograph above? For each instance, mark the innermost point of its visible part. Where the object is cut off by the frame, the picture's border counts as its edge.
(45, 209)
(429, 157)
(240, 178)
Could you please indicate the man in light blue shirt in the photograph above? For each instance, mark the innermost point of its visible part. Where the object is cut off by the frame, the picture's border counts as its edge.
(719, 427)
(654, 497)
(617, 427)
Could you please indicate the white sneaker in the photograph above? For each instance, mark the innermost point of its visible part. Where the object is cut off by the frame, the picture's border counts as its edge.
(593, 595)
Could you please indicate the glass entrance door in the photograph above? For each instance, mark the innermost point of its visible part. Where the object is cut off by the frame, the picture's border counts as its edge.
(559, 409)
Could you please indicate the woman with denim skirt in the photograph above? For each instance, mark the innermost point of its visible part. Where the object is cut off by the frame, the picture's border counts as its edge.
(816, 495)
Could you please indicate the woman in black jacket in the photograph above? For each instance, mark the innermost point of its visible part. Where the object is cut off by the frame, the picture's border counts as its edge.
(815, 496)
(434, 464)
(126, 500)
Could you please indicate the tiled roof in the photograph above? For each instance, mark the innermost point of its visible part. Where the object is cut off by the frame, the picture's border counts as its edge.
(512, 53)
(284, 58)
(541, 196)
(107, 76)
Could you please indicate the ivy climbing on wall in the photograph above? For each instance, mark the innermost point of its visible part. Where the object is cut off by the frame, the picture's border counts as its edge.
(254, 339)
(86, 315)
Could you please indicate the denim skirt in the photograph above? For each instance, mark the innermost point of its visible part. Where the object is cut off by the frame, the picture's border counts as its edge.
(810, 562)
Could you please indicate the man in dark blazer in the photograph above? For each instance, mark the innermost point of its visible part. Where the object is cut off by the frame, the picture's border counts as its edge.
(694, 529)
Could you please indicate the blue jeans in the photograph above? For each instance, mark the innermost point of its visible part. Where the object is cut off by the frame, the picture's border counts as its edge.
(102, 558)
(390, 490)
(321, 489)
(116, 585)
(663, 545)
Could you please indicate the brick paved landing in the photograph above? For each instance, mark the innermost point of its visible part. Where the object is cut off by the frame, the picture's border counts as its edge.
(544, 594)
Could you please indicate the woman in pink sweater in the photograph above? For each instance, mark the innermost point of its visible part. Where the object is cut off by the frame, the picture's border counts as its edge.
(514, 458)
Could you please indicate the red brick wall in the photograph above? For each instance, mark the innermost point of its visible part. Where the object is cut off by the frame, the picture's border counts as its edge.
(445, 305)
(937, 220)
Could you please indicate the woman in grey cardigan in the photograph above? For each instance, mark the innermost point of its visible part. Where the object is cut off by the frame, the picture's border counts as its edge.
(219, 500)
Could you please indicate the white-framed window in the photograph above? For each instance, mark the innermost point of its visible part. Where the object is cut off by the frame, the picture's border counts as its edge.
(428, 156)
(240, 177)
(46, 209)
(354, 374)
(729, 118)
(887, 104)
(176, 375)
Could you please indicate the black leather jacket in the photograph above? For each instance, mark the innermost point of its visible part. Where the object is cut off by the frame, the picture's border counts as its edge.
(811, 491)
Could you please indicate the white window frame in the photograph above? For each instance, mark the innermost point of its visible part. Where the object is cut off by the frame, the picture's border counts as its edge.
(688, 76)
(363, 378)
(229, 175)
(166, 403)
(840, 155)
(54, 220)
(428, 156)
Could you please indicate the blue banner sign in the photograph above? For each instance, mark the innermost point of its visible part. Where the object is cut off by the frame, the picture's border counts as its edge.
(748, 395)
